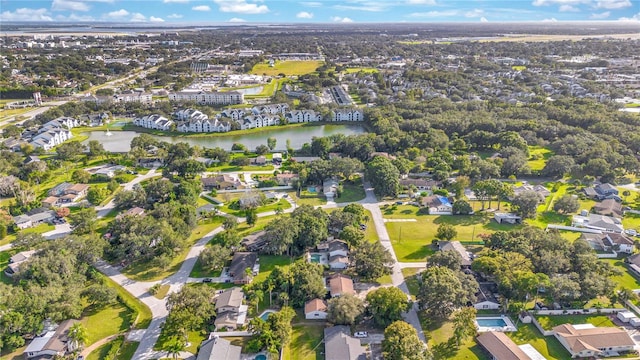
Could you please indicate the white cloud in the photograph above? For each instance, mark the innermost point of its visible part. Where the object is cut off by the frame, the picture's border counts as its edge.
(175, 1)
(241, 7)
(600, 16)
(339, 19)
(137, 17)
(635, 17)
(433, 14)
(237, 20)
(26, 14)
(484, 19)
(421, 2)
(61, 5)
(304, 15)
(311, 3)
(174, 16)
(550, 20)
(74, 17)
(474, 13)
(155, 19)
(201, 8)
(613, 4)
(568, 8)
(117, 14)
(559, 2)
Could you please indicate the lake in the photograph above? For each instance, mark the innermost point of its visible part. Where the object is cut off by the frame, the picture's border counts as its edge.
(120, 141)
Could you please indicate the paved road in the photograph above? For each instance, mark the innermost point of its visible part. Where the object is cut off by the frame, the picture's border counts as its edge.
(32, 113)
(370, 203)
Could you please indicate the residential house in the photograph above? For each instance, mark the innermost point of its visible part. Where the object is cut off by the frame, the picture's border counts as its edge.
(634, 263)
(347, 115)
(16, 260)
(271, 109)
(598, 222)
(507, 218)
(51, 134)
(64, 193)
(109, 171)
(34, 217)
(50, 201)
(217, 348)
(501, 347)
(538, 189)
(23, 221)
(135, 211)
(52, 344)
(31, 159)
(486, 298)
(14, 145)
(220, 182)
(240, 263)
(255, 242)
(330, 188)
(229, 309)
(590, 341)
(609, 207)
(315, 309)
(259, 160)
(609, 242)
(133, 96)
(602, 192)
(420, 184)
(59, 189)
(286, 179)
(459, 248)
(338, 252)
(340, 345)
(437, 204)
(154, 121)
(340, 285)
(76, 191)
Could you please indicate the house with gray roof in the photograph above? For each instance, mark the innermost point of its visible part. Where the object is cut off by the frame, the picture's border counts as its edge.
(340, 345)
(218, 349)
(598, 222)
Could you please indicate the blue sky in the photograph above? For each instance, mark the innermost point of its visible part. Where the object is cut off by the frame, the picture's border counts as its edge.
(317, 11)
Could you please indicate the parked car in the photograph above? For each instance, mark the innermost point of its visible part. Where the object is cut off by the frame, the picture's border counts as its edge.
(207, 280)
(361, 334)
(631, 232)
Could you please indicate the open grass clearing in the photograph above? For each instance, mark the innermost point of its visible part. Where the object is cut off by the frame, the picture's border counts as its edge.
(538, 157)
(631, 221)
(151, 272)
(352, 191)
(549, 322)
(269, 262)
(368, 70)
(625, 280)
(308, 198)
(38, 229)
(548, 346)
(306, 343)
(288, 68)
(105, 322)
(125, 350)
(142, 312)
(271, 205)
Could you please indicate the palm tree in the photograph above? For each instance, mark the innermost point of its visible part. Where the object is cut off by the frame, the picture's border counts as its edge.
(174, 346)
(77, 336)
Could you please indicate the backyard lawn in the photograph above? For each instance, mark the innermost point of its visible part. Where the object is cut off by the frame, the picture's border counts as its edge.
(105, 322)
(288, 68)
(125, 352)
(548, 346)
(538, 157)
(227, 207)
(269, 262)
(308, 198)
(438, 335)
(351, 191)
(625, 280)
(39, 229)
(549, 322)
(306, 343)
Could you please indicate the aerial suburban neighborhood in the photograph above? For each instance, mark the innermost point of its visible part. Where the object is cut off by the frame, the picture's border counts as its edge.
(351, 191)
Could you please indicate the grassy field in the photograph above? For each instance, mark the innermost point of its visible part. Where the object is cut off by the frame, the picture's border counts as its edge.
(306, 343)
(351, 191)
(149, 272)
(548, 346)
(39, 229)
(538, 157)
(199, 272)
(105, 322)
(269, 262)
(438, 333)
(631, 221)
(370, 233)
(625, 280)
(282, 204)
(519, 67)
(288, 68)
(368, 70)
(125, 352)
(410, 277)
(308, 198)
(142, 311)
(412, 240)
(549, 322)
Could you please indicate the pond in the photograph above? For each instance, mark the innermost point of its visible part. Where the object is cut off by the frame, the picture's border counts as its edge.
(251, 91)
(120, 141)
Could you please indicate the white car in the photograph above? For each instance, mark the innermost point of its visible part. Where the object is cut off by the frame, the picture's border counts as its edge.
(361, 334)
(631, 232)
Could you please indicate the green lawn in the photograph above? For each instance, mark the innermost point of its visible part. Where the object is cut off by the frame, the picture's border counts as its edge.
(199, 272)
(351, 192)
(39, 229)
(125, 350)
(412, 240)
(306, 343)
(410, 277)
(549, 322)
(369, 70)
(149, 272)
(548, 346)
(288, 68)
(308, 198)
(438, 334)
(269, 262)
(282, 204)
(538, 157)
(162, 291)
(142, 311)
(4, 262)
(370, 233)
(106, 322)
(631, 221)
(626, 280)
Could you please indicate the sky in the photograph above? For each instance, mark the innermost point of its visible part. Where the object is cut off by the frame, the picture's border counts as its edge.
(317, 11)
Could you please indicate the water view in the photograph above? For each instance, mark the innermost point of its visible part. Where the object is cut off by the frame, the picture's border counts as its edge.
(120, 141)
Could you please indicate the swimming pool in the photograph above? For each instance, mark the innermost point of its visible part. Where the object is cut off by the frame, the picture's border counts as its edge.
(315, 258)
(265, 315)
(495, 323)
(491, 322)
(261, 357)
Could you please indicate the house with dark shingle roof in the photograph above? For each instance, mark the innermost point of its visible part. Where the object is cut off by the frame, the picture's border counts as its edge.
(340, 345)
(218, 349)
(240, 263)
(609, 207)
